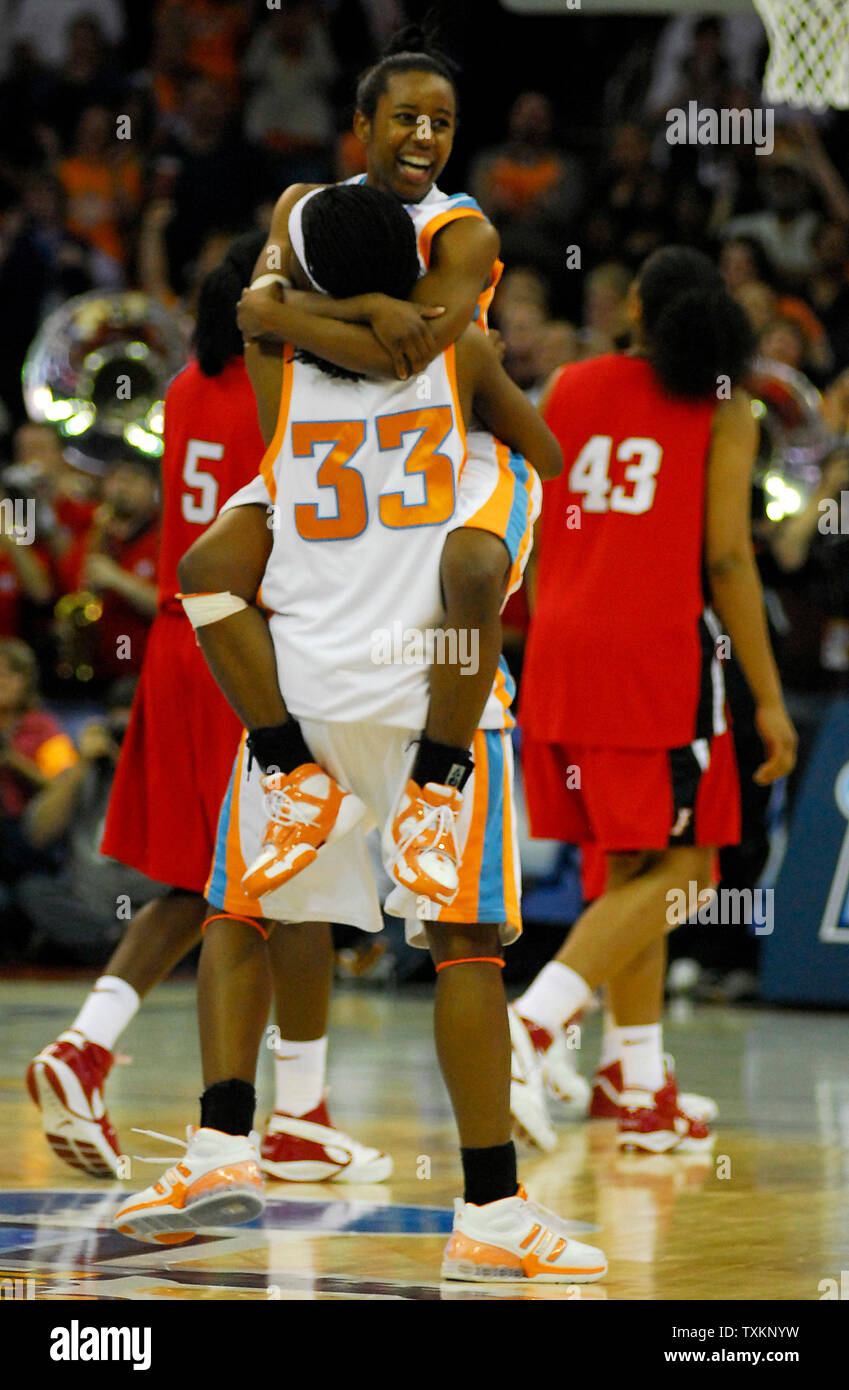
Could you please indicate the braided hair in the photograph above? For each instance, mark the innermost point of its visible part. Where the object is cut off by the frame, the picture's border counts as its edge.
(694, 330)
(358, 240)
(217, 338)
(414, 48)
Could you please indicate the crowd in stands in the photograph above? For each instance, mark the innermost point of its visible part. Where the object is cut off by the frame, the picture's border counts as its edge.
(135, 141)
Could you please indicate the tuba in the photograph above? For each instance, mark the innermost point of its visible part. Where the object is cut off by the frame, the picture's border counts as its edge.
(97, 371)
(795, 438)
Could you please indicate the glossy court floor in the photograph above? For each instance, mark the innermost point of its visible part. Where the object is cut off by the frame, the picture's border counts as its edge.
(766, 1217)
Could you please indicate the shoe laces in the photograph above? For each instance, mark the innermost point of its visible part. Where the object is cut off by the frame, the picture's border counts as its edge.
(285, 809)
(440, 818)
(166, 1139)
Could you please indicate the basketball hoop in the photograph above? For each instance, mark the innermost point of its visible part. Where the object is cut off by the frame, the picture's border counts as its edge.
(809, 52)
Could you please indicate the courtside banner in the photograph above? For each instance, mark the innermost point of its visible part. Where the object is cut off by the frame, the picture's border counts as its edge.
(806, 959)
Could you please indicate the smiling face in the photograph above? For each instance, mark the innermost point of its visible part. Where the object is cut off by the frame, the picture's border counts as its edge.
(406, 153)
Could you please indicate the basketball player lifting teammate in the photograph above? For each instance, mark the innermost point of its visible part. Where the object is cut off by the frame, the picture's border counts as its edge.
(621, 679)
(171, 779)
(324, 580)
(406, 116)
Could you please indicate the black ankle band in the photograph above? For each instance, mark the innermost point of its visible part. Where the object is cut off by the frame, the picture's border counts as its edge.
(442, 763)
(490, 1174)
(228, 1106)
(280, 746)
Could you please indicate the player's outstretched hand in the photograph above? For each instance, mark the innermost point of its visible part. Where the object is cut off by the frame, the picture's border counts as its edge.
(401, 328)
(779, 740)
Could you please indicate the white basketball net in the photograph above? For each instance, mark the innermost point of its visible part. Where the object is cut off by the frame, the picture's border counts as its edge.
(809, 52)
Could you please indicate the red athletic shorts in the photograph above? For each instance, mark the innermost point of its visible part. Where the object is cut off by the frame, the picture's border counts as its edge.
(175, 763)
(623, 799)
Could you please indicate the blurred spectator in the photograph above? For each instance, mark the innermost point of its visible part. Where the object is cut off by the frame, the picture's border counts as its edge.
(64, 496)
(828, 288)
(88, 76)
(71, 266)
(80, 909)
(558, 342)
(520, 285)
(23, 281)
(793, 180)
(214, 178)
(520, 326)
(102, 181)
(24, 572)
(45, 29)
(531, 188)
(115, 558)
(33, 750)
(291, 67)
(693, 50)
(605, 291)
(210, 33)
(796, 336)
(742, 259)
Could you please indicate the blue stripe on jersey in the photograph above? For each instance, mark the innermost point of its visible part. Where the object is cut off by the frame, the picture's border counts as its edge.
(218, 880)
(491, 906)
(517, 524)
(509, 683)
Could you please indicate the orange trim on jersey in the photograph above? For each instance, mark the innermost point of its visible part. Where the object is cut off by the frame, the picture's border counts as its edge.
(450, 356)
(270, 456)
(429, 230)
(508, 842)
(502, 695)
(235, 897)
(518, 570)
(494, 515)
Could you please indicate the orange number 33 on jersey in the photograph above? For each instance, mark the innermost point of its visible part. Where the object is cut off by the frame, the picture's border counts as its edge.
(347, 436)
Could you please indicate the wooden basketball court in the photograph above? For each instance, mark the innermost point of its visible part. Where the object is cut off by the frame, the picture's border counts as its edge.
(766, 1217)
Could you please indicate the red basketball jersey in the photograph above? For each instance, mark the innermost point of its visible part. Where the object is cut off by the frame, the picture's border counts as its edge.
(621, 652)
(213, 446)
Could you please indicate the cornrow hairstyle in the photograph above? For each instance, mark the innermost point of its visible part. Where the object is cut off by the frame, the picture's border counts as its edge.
(358, 240)
(694, 330)
(414, 48)
(217, 338)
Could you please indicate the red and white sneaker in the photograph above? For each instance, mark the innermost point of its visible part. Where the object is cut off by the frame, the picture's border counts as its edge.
(516, 1241)
(655, 1123)
(560, 1076)
(528, 1108)
(66, 1082)
(420, 843)
(307, 1148)
(306, 810)
(217, 1182)
(608, 1085)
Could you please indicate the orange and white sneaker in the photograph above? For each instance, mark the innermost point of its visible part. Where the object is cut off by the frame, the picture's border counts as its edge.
(306, 810)
(307, 1148)
(608, 1085)
(420, 842)
(516, 1241)
(66, 1082)
(653, 1122)
(217, 1182)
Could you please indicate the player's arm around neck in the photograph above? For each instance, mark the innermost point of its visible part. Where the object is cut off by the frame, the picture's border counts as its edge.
(374, 334)
(487, 392)
(735, 583)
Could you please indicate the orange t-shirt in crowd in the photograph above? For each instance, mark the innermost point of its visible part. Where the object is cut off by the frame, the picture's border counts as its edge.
(93, 201)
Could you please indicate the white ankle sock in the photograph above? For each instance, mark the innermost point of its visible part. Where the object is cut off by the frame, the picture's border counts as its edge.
(641, 1054)
(299, 1069)
(610, 1051)
(553, 997)
(107, 1011)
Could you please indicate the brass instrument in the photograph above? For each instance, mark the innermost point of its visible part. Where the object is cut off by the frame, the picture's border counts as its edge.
(795, 440)
(97, 371)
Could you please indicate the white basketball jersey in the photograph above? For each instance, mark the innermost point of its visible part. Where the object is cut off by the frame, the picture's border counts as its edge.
(363, 478)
